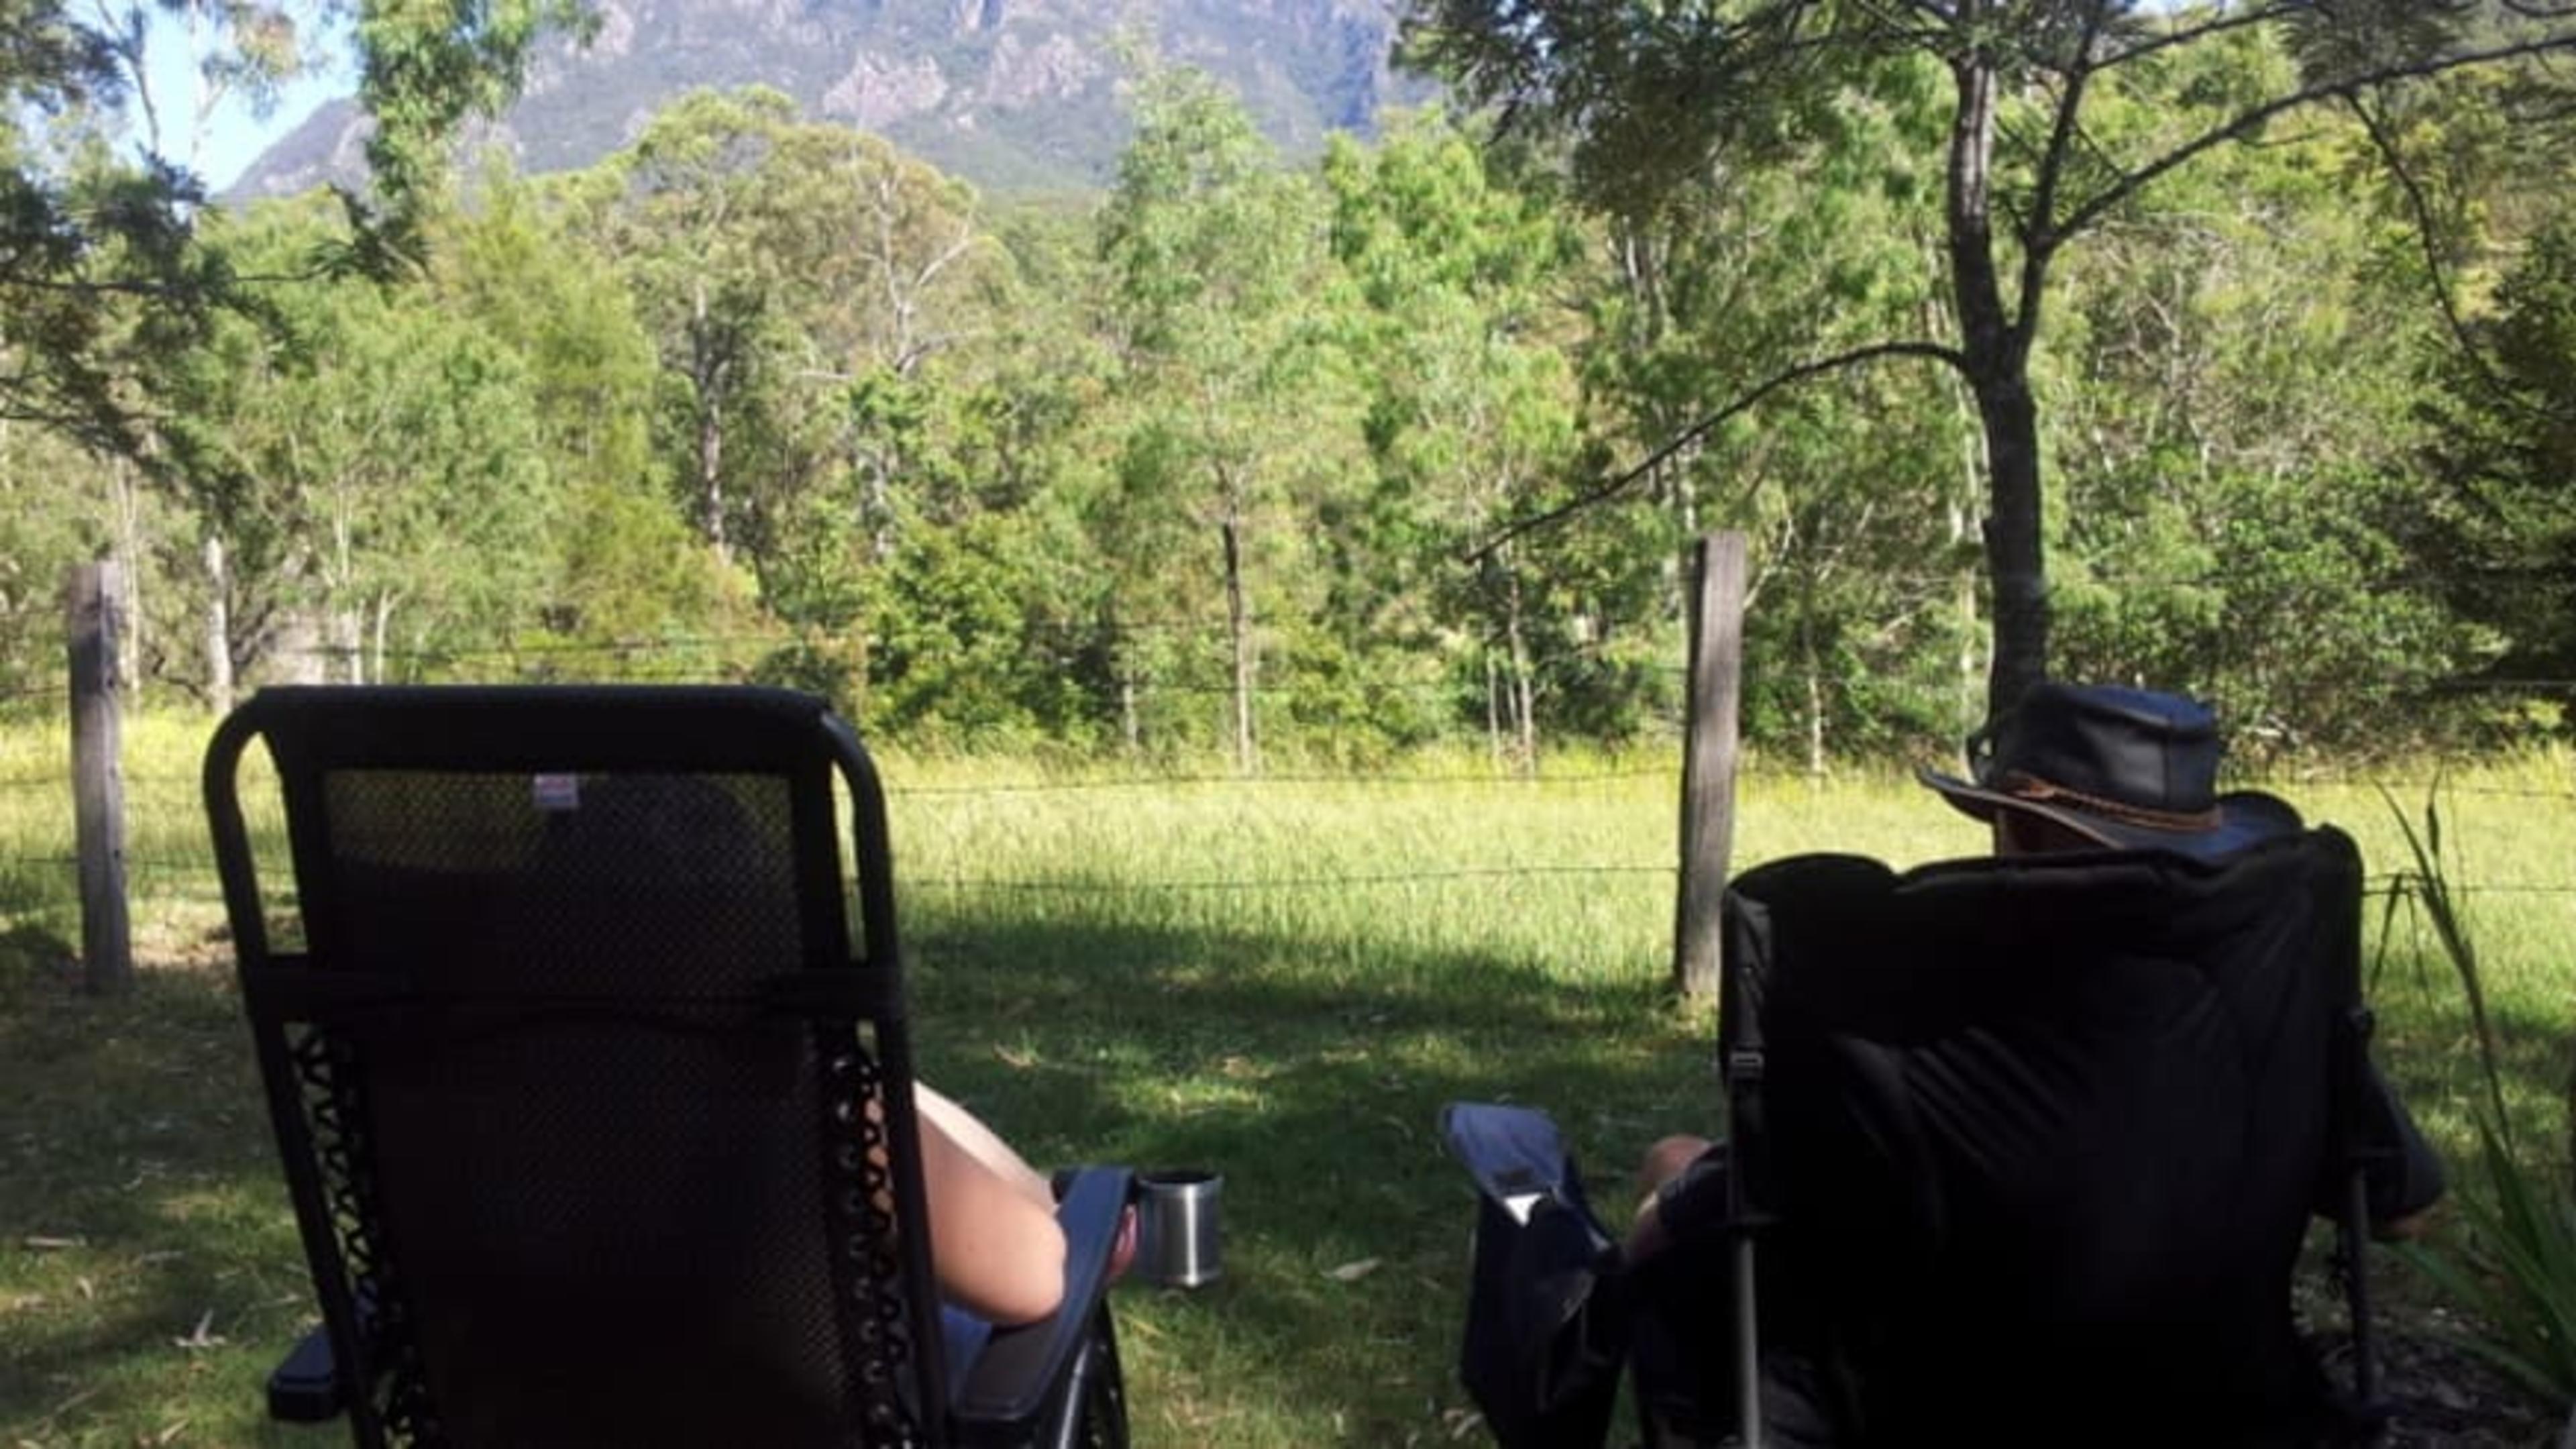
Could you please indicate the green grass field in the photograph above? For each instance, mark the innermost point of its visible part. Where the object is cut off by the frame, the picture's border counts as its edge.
(1283, 980)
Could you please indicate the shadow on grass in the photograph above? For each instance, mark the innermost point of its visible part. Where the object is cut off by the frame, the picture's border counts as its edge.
(2428, 1047)
(150, 1270)
(1314, 1084)
(141, 1199)
(151, 1273)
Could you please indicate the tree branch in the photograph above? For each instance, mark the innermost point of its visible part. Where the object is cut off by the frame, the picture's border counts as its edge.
(1743, 401)
(2136, 181)
(2189, 33)
(2422, 208)
(2038, 239)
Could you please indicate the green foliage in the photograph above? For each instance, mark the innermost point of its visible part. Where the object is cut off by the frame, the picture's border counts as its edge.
(374, 467)
(1233, 404)
(1662, 110)
(2237, 447)
(2503, 528)
(103, 267)
(426, 65)
(1473, 414)
(44, 531)
(1225, 455)
(2516, 1277)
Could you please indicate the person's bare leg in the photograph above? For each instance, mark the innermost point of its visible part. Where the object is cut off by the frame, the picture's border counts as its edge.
(979, 1142)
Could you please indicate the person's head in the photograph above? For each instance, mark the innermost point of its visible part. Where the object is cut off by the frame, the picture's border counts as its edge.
(2104, 767)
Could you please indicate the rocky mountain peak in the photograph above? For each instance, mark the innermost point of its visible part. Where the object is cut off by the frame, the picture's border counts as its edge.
(1014, 95)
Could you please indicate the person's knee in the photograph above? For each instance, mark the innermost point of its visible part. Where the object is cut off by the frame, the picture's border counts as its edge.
(1666, 1159)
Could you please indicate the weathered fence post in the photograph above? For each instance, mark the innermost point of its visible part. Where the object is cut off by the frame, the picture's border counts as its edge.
(98, 784)
(1708, 758)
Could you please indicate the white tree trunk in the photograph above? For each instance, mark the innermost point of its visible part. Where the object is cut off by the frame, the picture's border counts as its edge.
(219, 629)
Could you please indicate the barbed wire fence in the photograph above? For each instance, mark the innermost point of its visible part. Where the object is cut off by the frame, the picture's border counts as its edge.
(40, 883)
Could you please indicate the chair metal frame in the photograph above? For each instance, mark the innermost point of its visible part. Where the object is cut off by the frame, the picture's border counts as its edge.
(1056, 1382)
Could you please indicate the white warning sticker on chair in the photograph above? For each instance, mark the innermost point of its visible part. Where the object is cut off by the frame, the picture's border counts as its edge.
(557, 792)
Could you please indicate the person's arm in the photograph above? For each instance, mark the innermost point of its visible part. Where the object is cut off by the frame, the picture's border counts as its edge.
(993, 1236)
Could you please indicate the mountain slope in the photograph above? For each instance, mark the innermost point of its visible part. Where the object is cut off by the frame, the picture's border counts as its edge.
(1014, 95)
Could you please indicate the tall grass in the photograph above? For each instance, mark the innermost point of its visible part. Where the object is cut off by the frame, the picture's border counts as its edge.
(2513, 1269)
(1282, 979)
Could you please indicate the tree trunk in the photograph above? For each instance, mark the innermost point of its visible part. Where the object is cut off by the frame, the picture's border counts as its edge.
(129, 554)
(219, 628)
(707, 373)
(384, 621)
(2013, 548)
(346, 633)
(1998, 367)
(1524, 692)
(1493, 710)
(1815, 696)
(879, 505)
(1966, 710)
(1238, 623)
(711, 476)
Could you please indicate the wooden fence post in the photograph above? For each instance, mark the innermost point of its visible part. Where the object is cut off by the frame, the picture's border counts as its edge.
(1708, 759)
(98, 783)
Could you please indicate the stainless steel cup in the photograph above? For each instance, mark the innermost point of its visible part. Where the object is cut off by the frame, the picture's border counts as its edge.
(1178, 1242)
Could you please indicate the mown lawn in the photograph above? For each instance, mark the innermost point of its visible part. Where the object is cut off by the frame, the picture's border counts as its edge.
(1283, 980)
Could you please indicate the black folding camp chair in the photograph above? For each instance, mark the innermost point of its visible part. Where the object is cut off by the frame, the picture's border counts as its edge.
(2029, 1148)
(595, 1101)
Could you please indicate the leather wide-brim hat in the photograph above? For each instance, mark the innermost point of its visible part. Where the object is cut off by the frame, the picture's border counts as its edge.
(2132, 769)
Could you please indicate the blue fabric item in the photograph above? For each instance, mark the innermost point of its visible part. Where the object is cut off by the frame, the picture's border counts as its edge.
(1548, 1312)
(965, 1336)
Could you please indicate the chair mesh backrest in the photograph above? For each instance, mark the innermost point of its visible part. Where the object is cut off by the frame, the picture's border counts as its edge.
(2046, 1134)
(590, 1174)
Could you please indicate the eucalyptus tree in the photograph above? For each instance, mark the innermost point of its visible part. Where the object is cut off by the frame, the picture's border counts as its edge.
(798, 280)
(888, 256)
(1233, 406)
(689, 213)
(1660, 99)
(626, 571)
(988, 617)
(106, 267)
(1473, 407)
(1858, 490)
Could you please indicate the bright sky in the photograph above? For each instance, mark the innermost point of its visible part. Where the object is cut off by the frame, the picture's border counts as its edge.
(234, 137)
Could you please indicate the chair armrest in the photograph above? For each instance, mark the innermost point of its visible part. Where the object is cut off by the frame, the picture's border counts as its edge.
(303, 1388)
(1021, 1370)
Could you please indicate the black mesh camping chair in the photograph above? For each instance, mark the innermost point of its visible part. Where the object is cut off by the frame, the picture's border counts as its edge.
(2030, 1148)
(595, 1100)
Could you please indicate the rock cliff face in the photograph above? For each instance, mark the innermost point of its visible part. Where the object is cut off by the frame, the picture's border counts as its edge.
(1014, 95)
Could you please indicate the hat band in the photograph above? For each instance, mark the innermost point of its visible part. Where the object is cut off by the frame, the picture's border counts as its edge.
(2023, 786)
